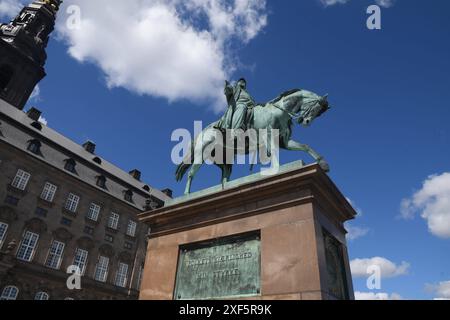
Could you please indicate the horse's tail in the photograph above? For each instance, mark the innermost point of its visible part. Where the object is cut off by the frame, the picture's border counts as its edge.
(186, 164)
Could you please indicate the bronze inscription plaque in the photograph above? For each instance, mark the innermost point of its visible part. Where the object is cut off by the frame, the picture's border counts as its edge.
(223, 268)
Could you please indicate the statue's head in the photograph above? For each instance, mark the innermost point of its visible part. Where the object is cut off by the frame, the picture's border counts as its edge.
(242, 83)
(313, 107)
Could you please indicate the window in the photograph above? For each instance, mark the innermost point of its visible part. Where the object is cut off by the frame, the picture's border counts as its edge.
(128, 245)
(26, 249)
(3, 229)
(55, 255)
(101, 270)
(48, 194)
(34, 146)
(97, 160)
(12, 200)
(109, 238)
(128, 196)
(41, 212)
(41, 295)
(122, 275)
(21, 180)
(70, 165)
(113, 221)
(88, 230)
(6, 74)
(101, 182)
(66, 222)
(94, 211)
(72, 202)
(80, 259)
(131, 228)
(9, 293)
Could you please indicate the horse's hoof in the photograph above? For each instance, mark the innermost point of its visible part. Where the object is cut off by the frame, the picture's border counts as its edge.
(324, 165)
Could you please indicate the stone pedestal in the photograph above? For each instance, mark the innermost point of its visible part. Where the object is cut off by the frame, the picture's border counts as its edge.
(274, 237)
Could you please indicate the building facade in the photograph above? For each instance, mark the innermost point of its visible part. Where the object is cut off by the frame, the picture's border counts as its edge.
(66, 214)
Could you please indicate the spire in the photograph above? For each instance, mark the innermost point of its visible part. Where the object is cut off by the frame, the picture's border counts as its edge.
(22, 50)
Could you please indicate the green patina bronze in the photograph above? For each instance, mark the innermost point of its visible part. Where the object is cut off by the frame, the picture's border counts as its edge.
(223, 268)
(293, 106)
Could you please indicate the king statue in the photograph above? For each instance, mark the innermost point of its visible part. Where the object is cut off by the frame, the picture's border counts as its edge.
(240, 107)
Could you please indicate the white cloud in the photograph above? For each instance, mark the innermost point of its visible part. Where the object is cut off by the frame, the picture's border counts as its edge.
(377, 296)
(355, 232)
(381, 3)
(385, 3)
(9, 8)
(388, 268)
(35, 95)
(440, 290)
(175, 49)
(333, 2)
(433, 203)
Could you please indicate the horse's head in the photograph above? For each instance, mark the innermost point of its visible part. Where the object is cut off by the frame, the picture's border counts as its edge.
(311, 107)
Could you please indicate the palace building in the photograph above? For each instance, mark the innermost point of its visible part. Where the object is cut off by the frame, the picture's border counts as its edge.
(61, 205)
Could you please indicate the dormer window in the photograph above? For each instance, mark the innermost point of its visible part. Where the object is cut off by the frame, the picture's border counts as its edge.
(97, 160)
(37, 125)
(34, 146)
(128, 196)
(146, 188)
(101, 182)
(70, 165)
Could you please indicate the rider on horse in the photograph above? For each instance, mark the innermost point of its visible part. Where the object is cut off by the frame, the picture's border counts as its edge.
(240, 107)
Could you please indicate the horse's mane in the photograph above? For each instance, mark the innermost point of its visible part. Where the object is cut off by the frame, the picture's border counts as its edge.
(284, 94)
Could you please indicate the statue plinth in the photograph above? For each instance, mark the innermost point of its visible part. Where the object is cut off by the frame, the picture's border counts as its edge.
(273, 237)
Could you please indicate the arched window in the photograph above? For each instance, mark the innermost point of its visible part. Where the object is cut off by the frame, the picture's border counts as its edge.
(6, 74)
(101, 182)
(70, 165)
(97, 160)
(9, 293)
(41, 295)
(128, 195)
(34, 146)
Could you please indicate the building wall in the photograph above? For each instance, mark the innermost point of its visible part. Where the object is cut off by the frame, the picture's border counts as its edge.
(48, 166)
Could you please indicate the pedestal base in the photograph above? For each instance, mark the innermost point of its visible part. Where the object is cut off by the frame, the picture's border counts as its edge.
(275, 237)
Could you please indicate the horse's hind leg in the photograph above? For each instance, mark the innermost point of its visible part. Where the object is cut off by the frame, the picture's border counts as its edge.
(226, 174)
(192, 173)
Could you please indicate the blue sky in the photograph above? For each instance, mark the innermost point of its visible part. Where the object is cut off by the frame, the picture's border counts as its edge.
(385, 135)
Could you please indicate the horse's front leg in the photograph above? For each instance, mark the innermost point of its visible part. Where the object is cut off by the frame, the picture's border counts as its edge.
(297, 146)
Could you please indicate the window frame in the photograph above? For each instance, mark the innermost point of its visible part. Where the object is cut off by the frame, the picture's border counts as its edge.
(40, 295)
(5, 297)
(58, 254)
(121, 278)
(83, 261)
(48, 192)
(21, 180)
(101, 269)
(3, 232)
(132, 225)
(96, 212)
(70, 201)
(34, 146)
(27, 246)
(113, 220)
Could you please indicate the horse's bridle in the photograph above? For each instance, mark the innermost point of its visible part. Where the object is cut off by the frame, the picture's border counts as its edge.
(294, 116)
